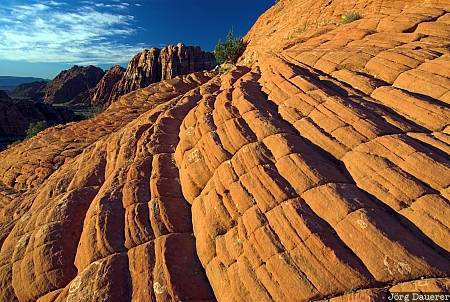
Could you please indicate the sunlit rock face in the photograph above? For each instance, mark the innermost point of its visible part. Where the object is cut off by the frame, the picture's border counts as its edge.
(154, 65)
(316, 172)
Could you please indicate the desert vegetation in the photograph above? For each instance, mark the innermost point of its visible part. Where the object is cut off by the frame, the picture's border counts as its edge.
(349, 17)
(35, 127)
(228, 52)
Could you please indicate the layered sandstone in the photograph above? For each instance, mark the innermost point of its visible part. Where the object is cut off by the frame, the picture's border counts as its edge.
(154, 65)
(317, 172)
(73, 85)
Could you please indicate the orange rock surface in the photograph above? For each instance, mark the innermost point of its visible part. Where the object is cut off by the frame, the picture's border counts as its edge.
(320, 170)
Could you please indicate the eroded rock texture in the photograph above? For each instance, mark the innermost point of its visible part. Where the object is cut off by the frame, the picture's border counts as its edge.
(316, 172)
(154, 65)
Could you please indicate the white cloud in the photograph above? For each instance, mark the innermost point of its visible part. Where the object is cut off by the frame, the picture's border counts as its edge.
(53, 31)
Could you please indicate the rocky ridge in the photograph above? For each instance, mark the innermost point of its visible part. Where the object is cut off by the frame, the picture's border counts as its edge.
(316, 172)
(73, 85)
(33, 91)
(154, 65)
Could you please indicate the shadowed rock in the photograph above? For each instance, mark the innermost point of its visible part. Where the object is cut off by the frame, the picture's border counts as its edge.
(30, 91)
(16, 116)
(72, 83)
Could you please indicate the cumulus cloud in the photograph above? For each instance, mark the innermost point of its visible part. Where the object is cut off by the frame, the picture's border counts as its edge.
(53, 31)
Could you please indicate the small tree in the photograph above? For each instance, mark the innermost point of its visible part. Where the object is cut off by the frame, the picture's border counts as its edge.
(35, 128)
(230, 50)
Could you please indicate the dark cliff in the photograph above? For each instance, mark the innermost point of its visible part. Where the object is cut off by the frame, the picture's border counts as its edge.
(15, 117)
(72, 83)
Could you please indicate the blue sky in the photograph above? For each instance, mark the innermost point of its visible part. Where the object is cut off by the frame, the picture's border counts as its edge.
(40, 38)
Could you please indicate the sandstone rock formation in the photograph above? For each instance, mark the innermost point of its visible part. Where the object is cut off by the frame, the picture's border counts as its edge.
(30, 91)
(153, 65)
(180, 59)
(317, 172)
(104, 88)
(71, 84)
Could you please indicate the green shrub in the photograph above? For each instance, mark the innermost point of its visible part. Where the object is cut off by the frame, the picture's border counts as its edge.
(230, 50)
(349, 17)
(35, 128)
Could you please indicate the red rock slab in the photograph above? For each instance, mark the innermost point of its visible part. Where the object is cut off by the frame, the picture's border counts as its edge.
(302, 176)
